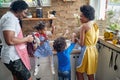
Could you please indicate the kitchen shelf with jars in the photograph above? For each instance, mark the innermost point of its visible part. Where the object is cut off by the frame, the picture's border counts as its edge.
(38, 19)
(38, 15)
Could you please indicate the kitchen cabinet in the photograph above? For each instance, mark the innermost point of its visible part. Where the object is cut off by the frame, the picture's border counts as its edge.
(0, 49)
(106, 61)
(73, 66)
(56, 67)
(74, 58)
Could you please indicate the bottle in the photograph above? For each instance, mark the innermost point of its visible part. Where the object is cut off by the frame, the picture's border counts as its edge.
(39, 10)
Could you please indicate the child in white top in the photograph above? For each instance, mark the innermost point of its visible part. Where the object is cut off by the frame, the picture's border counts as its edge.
(43, 51)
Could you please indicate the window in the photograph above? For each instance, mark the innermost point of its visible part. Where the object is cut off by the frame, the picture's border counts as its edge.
(108, 10)
(113, 15)
(114, 2)
(100, 7)
(31, 3)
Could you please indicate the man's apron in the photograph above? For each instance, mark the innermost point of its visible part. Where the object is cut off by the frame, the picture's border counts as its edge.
(22, 52)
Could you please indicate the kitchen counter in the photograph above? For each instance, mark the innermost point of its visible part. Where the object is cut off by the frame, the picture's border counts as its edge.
(108, 57)
(109, 44)
(76, 49)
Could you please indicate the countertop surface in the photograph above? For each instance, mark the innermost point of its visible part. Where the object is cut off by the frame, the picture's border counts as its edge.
(109, 44)
(74, 51)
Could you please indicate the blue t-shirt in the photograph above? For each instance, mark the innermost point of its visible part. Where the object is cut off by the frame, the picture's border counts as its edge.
(64, 58)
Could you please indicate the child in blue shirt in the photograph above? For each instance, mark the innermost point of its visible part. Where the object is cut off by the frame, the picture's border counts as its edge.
(63, 54)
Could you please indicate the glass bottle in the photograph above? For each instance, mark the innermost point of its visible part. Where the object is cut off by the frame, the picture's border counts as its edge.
(39, 10)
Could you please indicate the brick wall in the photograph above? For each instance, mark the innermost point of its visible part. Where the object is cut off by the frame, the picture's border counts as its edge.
(64, 16)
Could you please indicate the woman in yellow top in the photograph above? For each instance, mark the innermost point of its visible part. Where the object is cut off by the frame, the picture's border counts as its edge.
(89, 32)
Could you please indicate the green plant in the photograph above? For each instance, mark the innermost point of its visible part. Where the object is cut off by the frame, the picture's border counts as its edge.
(113, 21)
(77, 17)
(114, 26)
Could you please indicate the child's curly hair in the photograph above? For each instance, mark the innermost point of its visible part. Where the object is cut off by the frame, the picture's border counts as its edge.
(40, 26)
(59, 44)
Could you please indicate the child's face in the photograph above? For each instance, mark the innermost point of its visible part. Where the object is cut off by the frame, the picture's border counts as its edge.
(42, 31)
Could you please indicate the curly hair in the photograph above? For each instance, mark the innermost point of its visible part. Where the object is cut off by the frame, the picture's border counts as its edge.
(88, 11)
(18, 6)
(59, 44)
(40, 26)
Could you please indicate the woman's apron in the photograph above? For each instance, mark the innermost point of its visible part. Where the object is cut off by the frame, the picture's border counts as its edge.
(81, 56)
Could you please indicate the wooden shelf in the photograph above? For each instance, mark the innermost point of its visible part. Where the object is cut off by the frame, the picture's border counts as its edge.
(37, 19)
(68, 0)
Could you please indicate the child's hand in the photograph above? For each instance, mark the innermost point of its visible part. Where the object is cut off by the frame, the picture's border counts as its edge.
(74, 38)
(66, 32)
(53, 29)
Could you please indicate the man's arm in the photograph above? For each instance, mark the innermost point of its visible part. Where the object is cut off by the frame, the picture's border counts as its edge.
(12, 40)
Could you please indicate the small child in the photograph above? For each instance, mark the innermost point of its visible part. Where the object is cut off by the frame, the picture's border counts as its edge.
(43, 52)
(64, 67)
